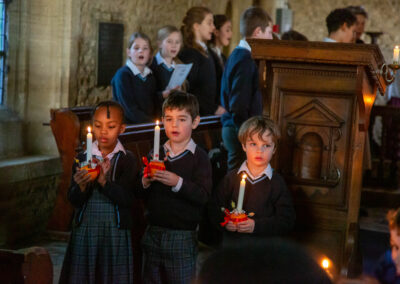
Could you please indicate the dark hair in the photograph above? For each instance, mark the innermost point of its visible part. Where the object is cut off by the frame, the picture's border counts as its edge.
(262, 261)
(358, 10)
(252, 18)
(337, 18)
(258, 125)
(181, 100)
(219, 21)
(293, 35)
(193, 15)
(108, 105)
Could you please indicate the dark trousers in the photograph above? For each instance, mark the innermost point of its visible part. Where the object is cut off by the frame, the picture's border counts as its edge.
(169, 255)
(236, 155)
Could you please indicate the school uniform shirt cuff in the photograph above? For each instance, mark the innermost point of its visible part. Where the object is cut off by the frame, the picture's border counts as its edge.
(178, 186)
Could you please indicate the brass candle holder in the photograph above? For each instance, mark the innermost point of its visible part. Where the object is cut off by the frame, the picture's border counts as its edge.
(388, 71)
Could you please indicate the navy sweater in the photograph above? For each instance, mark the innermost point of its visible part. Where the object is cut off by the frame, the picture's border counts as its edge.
(270, 200)
(119, 189)
(240, 94)
(137, 97)
(202, 79)
(219, 70)
(180, 210)
(162, 75)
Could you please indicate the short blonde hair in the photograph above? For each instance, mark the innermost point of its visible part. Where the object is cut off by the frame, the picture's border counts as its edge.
(393, 218)
(258, 125)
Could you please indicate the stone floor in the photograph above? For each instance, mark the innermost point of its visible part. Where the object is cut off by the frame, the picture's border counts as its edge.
(373, 241)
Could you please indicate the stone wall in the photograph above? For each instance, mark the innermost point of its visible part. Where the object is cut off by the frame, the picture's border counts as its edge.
(141, 15)
(309, 19)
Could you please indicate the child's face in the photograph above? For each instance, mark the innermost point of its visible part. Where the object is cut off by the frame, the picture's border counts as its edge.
(179, 124)
(348, 33)
(171, 45)
(205, 29)
(224, 34)
(107, 129)
(139, 52)
(395, 244)
(266, 34)
(259, 151)
(360, 25)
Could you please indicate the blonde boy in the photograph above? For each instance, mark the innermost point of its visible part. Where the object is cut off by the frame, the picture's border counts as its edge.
(266, 194)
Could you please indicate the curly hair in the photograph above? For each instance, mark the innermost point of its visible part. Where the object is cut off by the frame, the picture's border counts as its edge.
(193, 15)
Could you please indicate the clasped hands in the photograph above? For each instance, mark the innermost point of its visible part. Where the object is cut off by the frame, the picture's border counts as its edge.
(82, 178)
(241, 227)
(165, 177)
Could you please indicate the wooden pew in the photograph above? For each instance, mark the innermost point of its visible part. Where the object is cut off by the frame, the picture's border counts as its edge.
(69, 129)
(386, 168)
(30, 266)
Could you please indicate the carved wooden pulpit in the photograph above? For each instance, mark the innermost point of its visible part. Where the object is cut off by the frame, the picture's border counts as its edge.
(321, 95)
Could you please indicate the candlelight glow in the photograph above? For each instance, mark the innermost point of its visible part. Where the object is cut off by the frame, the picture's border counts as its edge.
(89, 129)
(244, 176)
(325, 263)
(157, 122)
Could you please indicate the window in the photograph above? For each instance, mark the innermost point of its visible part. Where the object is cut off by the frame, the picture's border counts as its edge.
(3, 45)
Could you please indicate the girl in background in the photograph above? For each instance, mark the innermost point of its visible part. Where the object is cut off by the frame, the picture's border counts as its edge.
(221, 38)
(134, 85)
(197, 29)
(169, 40)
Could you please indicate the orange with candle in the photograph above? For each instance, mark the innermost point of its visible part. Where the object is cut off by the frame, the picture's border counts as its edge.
(237, 215)
(92, 168)
(155, 164)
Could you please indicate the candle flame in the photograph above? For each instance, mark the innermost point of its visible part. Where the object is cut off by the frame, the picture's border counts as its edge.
(244, 176)
(325, 263)
(157, 122)
(397, 47)
(89, 129)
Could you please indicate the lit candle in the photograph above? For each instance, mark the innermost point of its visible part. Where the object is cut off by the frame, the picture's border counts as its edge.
(241, 194)
(396, 55)
(326, 265)
(89, 140)
(156, 141)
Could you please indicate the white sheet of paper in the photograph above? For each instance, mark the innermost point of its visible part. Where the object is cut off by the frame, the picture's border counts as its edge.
(179, 75)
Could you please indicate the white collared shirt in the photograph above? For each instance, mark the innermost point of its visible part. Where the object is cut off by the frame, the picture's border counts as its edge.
(244, 44)
(191, 146)
(97, 153)
(328, 39)
(160, 60)
(216, 50)
(203, 45)
(268, 171)
(136, 70)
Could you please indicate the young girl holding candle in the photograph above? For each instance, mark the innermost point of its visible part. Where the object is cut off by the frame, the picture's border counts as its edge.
(134, 85)
(261, 191)
(169, 40)
(197, 30)
(100, 249)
